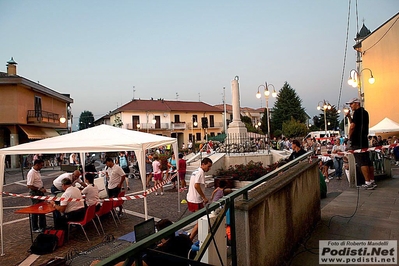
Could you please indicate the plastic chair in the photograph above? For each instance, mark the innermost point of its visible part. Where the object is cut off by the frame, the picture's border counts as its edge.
(106, 207)
(118, 203)
(89, 216)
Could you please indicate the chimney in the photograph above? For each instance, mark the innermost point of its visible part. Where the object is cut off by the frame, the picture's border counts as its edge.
(12, 67)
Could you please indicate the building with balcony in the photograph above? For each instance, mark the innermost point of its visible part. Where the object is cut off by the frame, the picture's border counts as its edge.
(179, 119)
(256, 115)
(29, 110)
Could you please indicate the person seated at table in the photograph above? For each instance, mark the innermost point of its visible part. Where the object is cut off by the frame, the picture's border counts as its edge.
(74, 177)
(68, 210)
(91, 193)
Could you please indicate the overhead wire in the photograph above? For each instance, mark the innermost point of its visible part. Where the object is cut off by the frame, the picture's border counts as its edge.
(345, 54)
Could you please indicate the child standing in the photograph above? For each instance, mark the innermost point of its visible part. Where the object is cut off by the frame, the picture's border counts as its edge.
(182, 172)
(156, 167)
(124, 164)
(218, 193)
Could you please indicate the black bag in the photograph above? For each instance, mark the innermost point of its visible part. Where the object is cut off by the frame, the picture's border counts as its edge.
(44, 244)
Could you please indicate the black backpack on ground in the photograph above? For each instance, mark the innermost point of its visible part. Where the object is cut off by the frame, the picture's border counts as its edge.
(44, 244)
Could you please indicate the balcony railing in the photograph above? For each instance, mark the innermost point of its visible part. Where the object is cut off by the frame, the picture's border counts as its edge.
(178, 125)
(171, 126)
(39, 117)
(145, 126)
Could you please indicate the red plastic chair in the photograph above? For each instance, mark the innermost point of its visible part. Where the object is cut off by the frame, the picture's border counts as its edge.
(106, 207)
(89, 216)
(118, 203)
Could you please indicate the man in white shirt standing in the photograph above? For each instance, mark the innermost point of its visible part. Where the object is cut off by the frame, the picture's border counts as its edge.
(195, 195)
(115, 176)
(35, 185)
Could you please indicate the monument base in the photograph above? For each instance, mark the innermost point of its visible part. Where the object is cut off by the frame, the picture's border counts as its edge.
(237, 132)
(237, 127)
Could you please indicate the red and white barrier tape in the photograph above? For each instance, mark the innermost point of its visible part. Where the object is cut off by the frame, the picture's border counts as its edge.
(377, 149)
(150, 190)
(48, 198)
(41, 197)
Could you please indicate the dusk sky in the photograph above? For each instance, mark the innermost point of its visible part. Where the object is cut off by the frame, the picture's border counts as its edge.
(97, 51)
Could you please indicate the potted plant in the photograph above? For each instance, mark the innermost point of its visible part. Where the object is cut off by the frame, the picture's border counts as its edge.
(242, 172)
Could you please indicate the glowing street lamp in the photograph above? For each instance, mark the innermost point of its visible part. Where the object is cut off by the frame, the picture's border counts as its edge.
(346, 110)
(62, 119)
(326, 106)
(355, 80)
(266, 92)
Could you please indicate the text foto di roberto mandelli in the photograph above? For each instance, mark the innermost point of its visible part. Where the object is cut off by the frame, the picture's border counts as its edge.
(358, 251)
(358, 243)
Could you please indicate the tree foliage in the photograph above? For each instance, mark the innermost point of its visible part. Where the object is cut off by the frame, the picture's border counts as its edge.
(332, 116)
(118, 122)
(86, 120)
(288, 106)
(248, 124)
(294, 128)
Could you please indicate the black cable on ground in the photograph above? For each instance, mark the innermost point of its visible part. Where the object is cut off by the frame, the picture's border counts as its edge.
(310, 250)
(183, 213)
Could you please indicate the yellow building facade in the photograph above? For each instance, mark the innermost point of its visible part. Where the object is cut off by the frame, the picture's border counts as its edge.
(380, 53)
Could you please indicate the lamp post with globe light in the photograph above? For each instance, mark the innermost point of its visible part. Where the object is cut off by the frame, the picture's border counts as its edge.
(325, 106)
(346, 110)
(355, 80)
(195, 124)
(266, 93)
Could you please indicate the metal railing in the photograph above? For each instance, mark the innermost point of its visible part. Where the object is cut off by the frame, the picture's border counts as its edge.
(136, 251)
(35, 116)
(178, 125)
(241, 144)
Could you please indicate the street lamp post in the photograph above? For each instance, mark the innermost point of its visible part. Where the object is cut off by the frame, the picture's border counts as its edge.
(195, 124)
(153, 121)
(356, 81)
(346, 110)
(267, 94)
(325, 105)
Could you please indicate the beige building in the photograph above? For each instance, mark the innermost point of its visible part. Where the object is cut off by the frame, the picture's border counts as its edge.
(29, 110)
(379, 52)
(179, 119)
(256, 115)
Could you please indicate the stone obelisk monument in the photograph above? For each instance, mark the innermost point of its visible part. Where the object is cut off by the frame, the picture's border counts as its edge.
(236, 128)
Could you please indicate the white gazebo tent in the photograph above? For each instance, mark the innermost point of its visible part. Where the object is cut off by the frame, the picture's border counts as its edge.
(386, 125)
(101, 138)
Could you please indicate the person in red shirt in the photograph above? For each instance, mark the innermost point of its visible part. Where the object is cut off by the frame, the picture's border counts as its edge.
(182, 172)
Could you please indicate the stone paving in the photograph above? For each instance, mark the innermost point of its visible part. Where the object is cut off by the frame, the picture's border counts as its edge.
(16, 226)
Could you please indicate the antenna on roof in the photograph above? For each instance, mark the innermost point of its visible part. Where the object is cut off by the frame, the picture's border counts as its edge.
(199, 96)
(133, 92)
(177, 96)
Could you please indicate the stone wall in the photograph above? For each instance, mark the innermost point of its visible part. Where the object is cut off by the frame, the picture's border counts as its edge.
(277, 216)
(266, 159)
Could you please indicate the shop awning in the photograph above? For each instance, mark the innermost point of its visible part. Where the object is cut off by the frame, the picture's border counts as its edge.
(39, 132)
